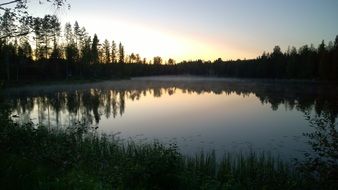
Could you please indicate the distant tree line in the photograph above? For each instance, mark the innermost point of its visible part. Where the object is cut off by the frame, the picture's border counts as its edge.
(307, 62)
(50, 53)
(53, 53)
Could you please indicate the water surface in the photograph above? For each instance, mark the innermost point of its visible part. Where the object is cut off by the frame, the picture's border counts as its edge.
(224, 115)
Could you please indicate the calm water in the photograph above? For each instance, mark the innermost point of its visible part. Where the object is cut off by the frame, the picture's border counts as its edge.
(196, 113)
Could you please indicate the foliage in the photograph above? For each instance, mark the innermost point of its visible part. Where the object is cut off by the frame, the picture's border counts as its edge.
(16, 18)
(322, 163)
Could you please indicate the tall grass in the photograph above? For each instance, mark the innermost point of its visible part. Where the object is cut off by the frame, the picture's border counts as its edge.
(40, 158)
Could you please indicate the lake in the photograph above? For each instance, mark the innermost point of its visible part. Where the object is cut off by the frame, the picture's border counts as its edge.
(196, 113)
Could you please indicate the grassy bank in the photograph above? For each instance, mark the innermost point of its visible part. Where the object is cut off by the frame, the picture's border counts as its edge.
(39, 158)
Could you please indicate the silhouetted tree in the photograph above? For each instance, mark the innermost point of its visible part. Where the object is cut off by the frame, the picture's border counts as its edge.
(171, 61)
(106, 48)
(132, 58)
(71, 57)
(137, 58)
(334, 70)
(77, 33)
(113, 52)
(7, 28)
(94, 50)
(46, 30)
(57, 52)
(121, 53)
(157, 60)
(101, 54)
(324, 64)
(276, 68)
(86, 51)
(82, 39)
(68, 33)
(17, 9)
(291, 69)
(26, 49)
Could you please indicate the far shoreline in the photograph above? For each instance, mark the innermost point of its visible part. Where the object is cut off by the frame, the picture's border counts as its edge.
(155, 82)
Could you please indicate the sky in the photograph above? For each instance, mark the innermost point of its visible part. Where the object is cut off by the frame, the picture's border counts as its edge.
(204, 29)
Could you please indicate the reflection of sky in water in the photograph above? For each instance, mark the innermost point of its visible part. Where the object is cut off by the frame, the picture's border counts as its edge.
(208, 121)
(230, 121)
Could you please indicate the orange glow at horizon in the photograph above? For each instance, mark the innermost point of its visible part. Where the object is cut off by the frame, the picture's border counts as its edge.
(207, 30)
(150, 41)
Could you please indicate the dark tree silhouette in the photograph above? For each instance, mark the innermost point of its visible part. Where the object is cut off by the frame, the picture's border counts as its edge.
(95, 50)
(17, 10)
(76, 55)
(322, 161)
(171, 61)
(157, 60)
(106, 48)
(113, 52)
(86, 51)
(121, 53)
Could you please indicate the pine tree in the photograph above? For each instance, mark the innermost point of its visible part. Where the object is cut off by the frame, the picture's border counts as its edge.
(324, 66)
(26, 50)
(137, 58)
(77, 32)
(68, 33)
(132, 58)
(106, 49)
(6, 30)
(113, 52)
(157, 60)
(83, 36)
(171, 61)
(86, 51)
(95, 50)
(47, 30)
(121, 53)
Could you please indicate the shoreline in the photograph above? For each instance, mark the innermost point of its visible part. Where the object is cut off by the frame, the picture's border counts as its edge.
(162, 78)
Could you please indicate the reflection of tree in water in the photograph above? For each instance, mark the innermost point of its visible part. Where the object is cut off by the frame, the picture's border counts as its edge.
(114, 102)
(57, 102)
(157, 92)
(70, 107)
(170, 91)
(107, 104)
(122, 102)
(89, 105)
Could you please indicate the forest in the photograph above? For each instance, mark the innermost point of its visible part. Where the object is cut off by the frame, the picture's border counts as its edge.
(53, 136)
(53, 52)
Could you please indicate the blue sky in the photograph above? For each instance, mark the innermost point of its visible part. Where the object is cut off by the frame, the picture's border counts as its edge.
(206, 29)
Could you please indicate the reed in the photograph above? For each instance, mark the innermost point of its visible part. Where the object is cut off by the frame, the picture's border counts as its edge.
(75, 158)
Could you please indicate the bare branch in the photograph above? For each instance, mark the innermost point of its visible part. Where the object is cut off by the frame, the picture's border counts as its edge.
(15, 35)
(11, 2)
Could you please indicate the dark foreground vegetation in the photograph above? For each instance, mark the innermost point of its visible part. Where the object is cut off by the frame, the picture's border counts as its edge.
(35, 157)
